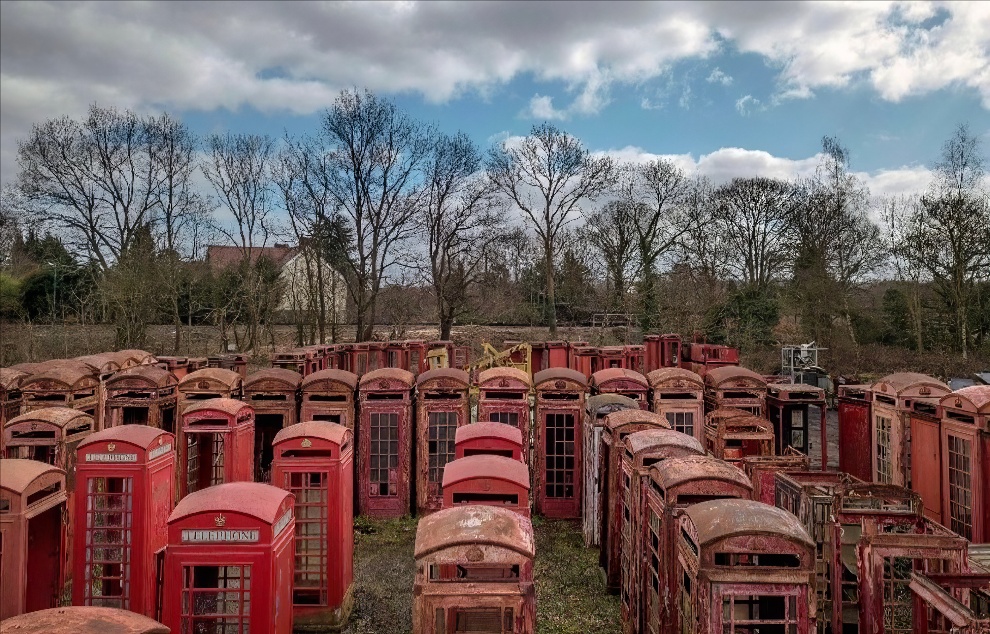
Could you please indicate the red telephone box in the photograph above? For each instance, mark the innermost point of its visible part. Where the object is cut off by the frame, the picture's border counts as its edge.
(228, 563)
(126, 492)
(209, 383)
(732, 434)
(474, 570)
(217, 444)
(32, 500)
(611, 357)
(503, 397)
(489, 439)
(48, 435)
(142, 395)
(487, 480)
(134, 356)
(617, 426)
(891, 424)
(762, 472)
(662, 351)
(385, 442)
(926, 459)
(82, 620)
(584, 359)
(621, 381)
(735, 386)
(273, 393)
(636, 358)
(791, 408)
(679, 395)
(855, 443)
(965, 464)
(63, 383)
(178, 366)
(557, 464)
(10, 394)
(442, 406)
(743, 566)
(558, 353)
(674, 484)
(416, 356)
(315, 462)
(328, 395)
(642, 450)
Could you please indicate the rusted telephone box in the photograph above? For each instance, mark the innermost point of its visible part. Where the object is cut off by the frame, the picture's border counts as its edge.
(294, 360)
(10, 394)
(951, 603)
(178, 366)
(584, 359)
(229, 560)
(642, 450)
(743, 566)
(735, 386)
(891, 424)
(48, 435)
(621, 381)
(134, 356)
(679, 395)
(442, 405)
(557, 354)
(489, 439)
(208, 383)
(487, 480)
(315, 462)
(142, 395)
(328, 395)
(217, 444)
(662, 351)
(732, 434)
(63, 383)
(791, 408)
(385, 443)
(674, 484)
(595, 410)
(809, 496)
(762, 472)
(618, 425)
(474, 572)
(926, 459)
(32, 501)
(416, 356)
(126, 490)
(965, 468)
(503, 397)
(83, 620)
(859, 509)
(557, 461)
(855, 441)
(273, 393)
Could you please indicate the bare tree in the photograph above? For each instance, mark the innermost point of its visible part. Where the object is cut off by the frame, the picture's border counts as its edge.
(754, 220)
(239, 168)
(611, 231)
(948, 234)
(838, 246)
(658, 190)
(96, 180)
(461, 219)
(895, 213)
(548, 175)
(366, 167)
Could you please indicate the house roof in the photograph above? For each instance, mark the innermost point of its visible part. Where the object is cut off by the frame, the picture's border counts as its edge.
(222, 257)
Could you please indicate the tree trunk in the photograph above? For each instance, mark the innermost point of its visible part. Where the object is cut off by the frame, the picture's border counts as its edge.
(551, 292)
(177, 318)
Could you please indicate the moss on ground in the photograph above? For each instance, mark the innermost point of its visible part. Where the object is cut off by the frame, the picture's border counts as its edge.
(569, 587)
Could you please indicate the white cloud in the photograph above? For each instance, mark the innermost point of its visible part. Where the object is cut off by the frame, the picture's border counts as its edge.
(724, 164)
(295, 57)
(748, 104)
(717, 76)
(541, 107)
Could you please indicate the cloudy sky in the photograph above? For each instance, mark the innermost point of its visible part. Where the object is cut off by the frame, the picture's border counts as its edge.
(729, 89)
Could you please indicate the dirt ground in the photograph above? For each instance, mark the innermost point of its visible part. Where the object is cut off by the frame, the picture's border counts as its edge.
(570, 591)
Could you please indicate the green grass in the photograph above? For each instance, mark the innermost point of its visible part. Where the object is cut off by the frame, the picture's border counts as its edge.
(570, 594)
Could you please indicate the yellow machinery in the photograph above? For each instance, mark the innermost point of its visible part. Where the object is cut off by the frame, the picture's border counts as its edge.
(508, 358)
